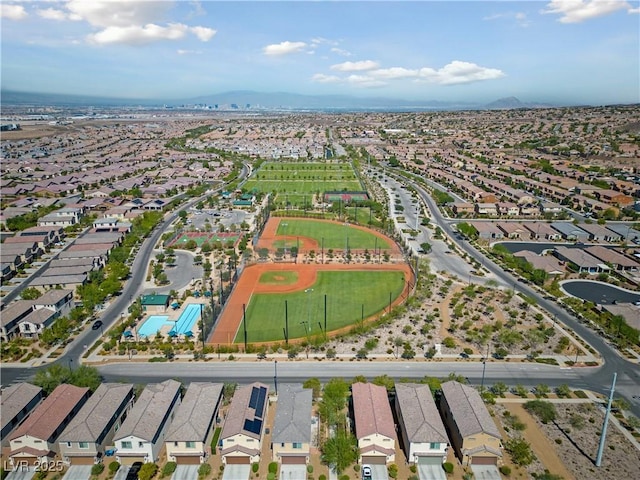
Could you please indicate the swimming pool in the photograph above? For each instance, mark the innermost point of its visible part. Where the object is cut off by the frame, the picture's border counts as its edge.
(187, 318)
(152, 324)
(181, 326)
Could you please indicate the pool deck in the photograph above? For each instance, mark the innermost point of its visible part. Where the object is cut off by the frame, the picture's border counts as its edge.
(172, 317)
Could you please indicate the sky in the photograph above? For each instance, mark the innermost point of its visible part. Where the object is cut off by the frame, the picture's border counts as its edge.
(557, 51)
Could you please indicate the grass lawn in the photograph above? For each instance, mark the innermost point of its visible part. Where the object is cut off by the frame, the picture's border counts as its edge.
(295, 183)
(335, 234)
(278, 278)
(348, 293)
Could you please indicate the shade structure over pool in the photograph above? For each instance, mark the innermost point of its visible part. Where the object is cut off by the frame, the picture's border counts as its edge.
(127, 334)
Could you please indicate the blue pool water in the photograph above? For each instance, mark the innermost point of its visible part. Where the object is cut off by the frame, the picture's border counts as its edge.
(187, 318)
(152, 324)
(184, 324)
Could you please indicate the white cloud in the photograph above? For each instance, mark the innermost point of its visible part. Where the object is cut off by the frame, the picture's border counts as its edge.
(204, 34)
(52, 14)
(576, 11)
(284, 48)
(458, 72)
(365, 81)
(322, 78)
(109, 13)
(341, 52)
(519, 17)
(393, 72)
(355, 66)
(135, 35)
(12, 12)
(188, 52)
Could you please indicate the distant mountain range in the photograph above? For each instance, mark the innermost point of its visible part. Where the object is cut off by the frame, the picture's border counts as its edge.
(251, 100)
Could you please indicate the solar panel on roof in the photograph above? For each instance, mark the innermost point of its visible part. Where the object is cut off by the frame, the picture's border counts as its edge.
(255, 392)
(262, 395)
(253, 426)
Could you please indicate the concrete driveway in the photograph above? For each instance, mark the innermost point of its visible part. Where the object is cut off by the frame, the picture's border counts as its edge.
(431, 472)
(185, 472)
(121, 474)
(486, 472)
(379, 472)
(236, 472)
(293, 472)
(78, 472)
(21, 473)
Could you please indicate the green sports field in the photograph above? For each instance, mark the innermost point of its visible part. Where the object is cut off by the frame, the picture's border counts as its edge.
(296, 183)
(336, 235)
(349, 293)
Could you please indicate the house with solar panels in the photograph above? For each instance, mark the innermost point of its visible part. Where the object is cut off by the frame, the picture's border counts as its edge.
(291, 438)
(241, 437)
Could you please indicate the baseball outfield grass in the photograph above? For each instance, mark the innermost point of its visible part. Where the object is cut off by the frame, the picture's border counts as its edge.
(351, 295)
(336, 235)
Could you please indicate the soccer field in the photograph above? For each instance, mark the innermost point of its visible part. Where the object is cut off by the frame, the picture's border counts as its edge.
(296, 183)
(335, 235)
(350, 295)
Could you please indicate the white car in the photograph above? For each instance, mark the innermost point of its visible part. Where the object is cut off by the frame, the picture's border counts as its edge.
(366, 472)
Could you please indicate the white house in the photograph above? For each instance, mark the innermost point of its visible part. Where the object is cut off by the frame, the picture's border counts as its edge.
(241, 437)
(141, 436)
(424, 435)
(188, 440)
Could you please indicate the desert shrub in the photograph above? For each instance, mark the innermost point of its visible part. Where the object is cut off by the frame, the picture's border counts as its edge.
(168, 468)
(97, 469)
(255, 467)
(448, 467)
(147, 471)
(205, 470)
(113, 467)
(322, 477)
(309, 468)
(505, 470)
(273, 467)
(545, 411)
(393, 470)
(520, 451)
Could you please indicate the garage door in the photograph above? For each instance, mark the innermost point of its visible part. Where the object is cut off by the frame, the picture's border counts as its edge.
(291, 460)
(484, 460)
(81, 460)
(130, 460)
(238, 460)
(26, 460)
(429, 460)
(374, 460)
(189, 460)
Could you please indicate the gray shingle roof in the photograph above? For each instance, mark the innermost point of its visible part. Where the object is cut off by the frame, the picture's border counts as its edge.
(468, 410)
(194, 415)
(14, 398)
(97, 413)
(422, 420)
(147, 414)
(293, 415)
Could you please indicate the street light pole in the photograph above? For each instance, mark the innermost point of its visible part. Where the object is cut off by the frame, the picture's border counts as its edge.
(484, 367)
(275, 376)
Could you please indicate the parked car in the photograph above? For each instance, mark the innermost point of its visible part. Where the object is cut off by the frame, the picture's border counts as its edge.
(132, 474)
(366, 472)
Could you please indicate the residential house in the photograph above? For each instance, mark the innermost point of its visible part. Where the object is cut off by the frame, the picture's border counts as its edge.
(541, 230)
(488, 209)
(628, 233)
(463, 208)
(474, 436)
(600, 233)
(548, 263)
(35, 440)
(241, 437)
(613, 258)
(424, 436)
(509, 209)
(579, 260)
(16, 402)
(84, 440)
(64, 217)
(142, 435)
(488, 231)
(291, 435)
(374, 425)
(513, 230)
(570, 232)
(188, 440)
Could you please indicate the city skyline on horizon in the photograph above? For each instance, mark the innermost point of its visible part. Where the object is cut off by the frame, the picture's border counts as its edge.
(558, 51)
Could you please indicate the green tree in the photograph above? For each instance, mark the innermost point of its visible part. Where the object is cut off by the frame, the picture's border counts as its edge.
(545, 411)
(340, 451)
(57, 374)
(147, 471)
(520, 451)
(31, 293)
